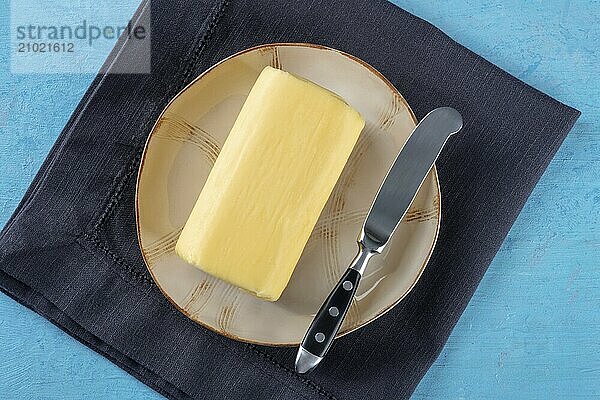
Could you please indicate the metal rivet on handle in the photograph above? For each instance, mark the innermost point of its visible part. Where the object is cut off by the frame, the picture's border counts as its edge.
(347, 285)
(334, 312)
(320, 337)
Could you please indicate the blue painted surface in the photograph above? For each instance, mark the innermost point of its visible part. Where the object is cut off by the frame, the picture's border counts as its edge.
(531, 331)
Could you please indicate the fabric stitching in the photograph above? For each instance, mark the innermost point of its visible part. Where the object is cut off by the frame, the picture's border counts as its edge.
(118, 260)
(119, 188)
(273, 361)
(204, 40)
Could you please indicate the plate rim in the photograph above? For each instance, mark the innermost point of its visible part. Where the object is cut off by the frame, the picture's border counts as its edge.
(371, 69)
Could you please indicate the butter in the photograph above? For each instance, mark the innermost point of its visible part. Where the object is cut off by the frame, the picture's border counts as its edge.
(269, 184)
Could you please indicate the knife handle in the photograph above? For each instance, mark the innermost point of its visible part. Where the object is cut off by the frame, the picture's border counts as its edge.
(330, 316)
(328, 320)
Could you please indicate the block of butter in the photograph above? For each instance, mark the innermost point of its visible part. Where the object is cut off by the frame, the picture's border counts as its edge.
(269, 184)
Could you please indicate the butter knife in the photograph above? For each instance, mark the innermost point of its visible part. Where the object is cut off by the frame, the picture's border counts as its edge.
(393, 199)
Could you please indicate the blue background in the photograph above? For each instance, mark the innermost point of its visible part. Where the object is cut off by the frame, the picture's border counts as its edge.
(532, 330)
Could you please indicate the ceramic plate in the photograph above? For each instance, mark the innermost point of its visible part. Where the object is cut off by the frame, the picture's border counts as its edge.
(182, 149)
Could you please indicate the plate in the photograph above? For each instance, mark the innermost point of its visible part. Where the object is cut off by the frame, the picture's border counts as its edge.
(182, 148)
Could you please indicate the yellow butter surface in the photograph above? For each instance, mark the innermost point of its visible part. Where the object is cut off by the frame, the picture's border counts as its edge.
(269, 184)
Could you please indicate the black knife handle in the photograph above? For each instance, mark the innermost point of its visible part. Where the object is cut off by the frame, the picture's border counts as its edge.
(328, 320)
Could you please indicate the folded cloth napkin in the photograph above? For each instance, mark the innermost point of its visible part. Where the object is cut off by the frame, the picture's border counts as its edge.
(70, 251)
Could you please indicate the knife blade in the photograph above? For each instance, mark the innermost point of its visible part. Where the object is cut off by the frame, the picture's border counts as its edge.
(393, 199)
